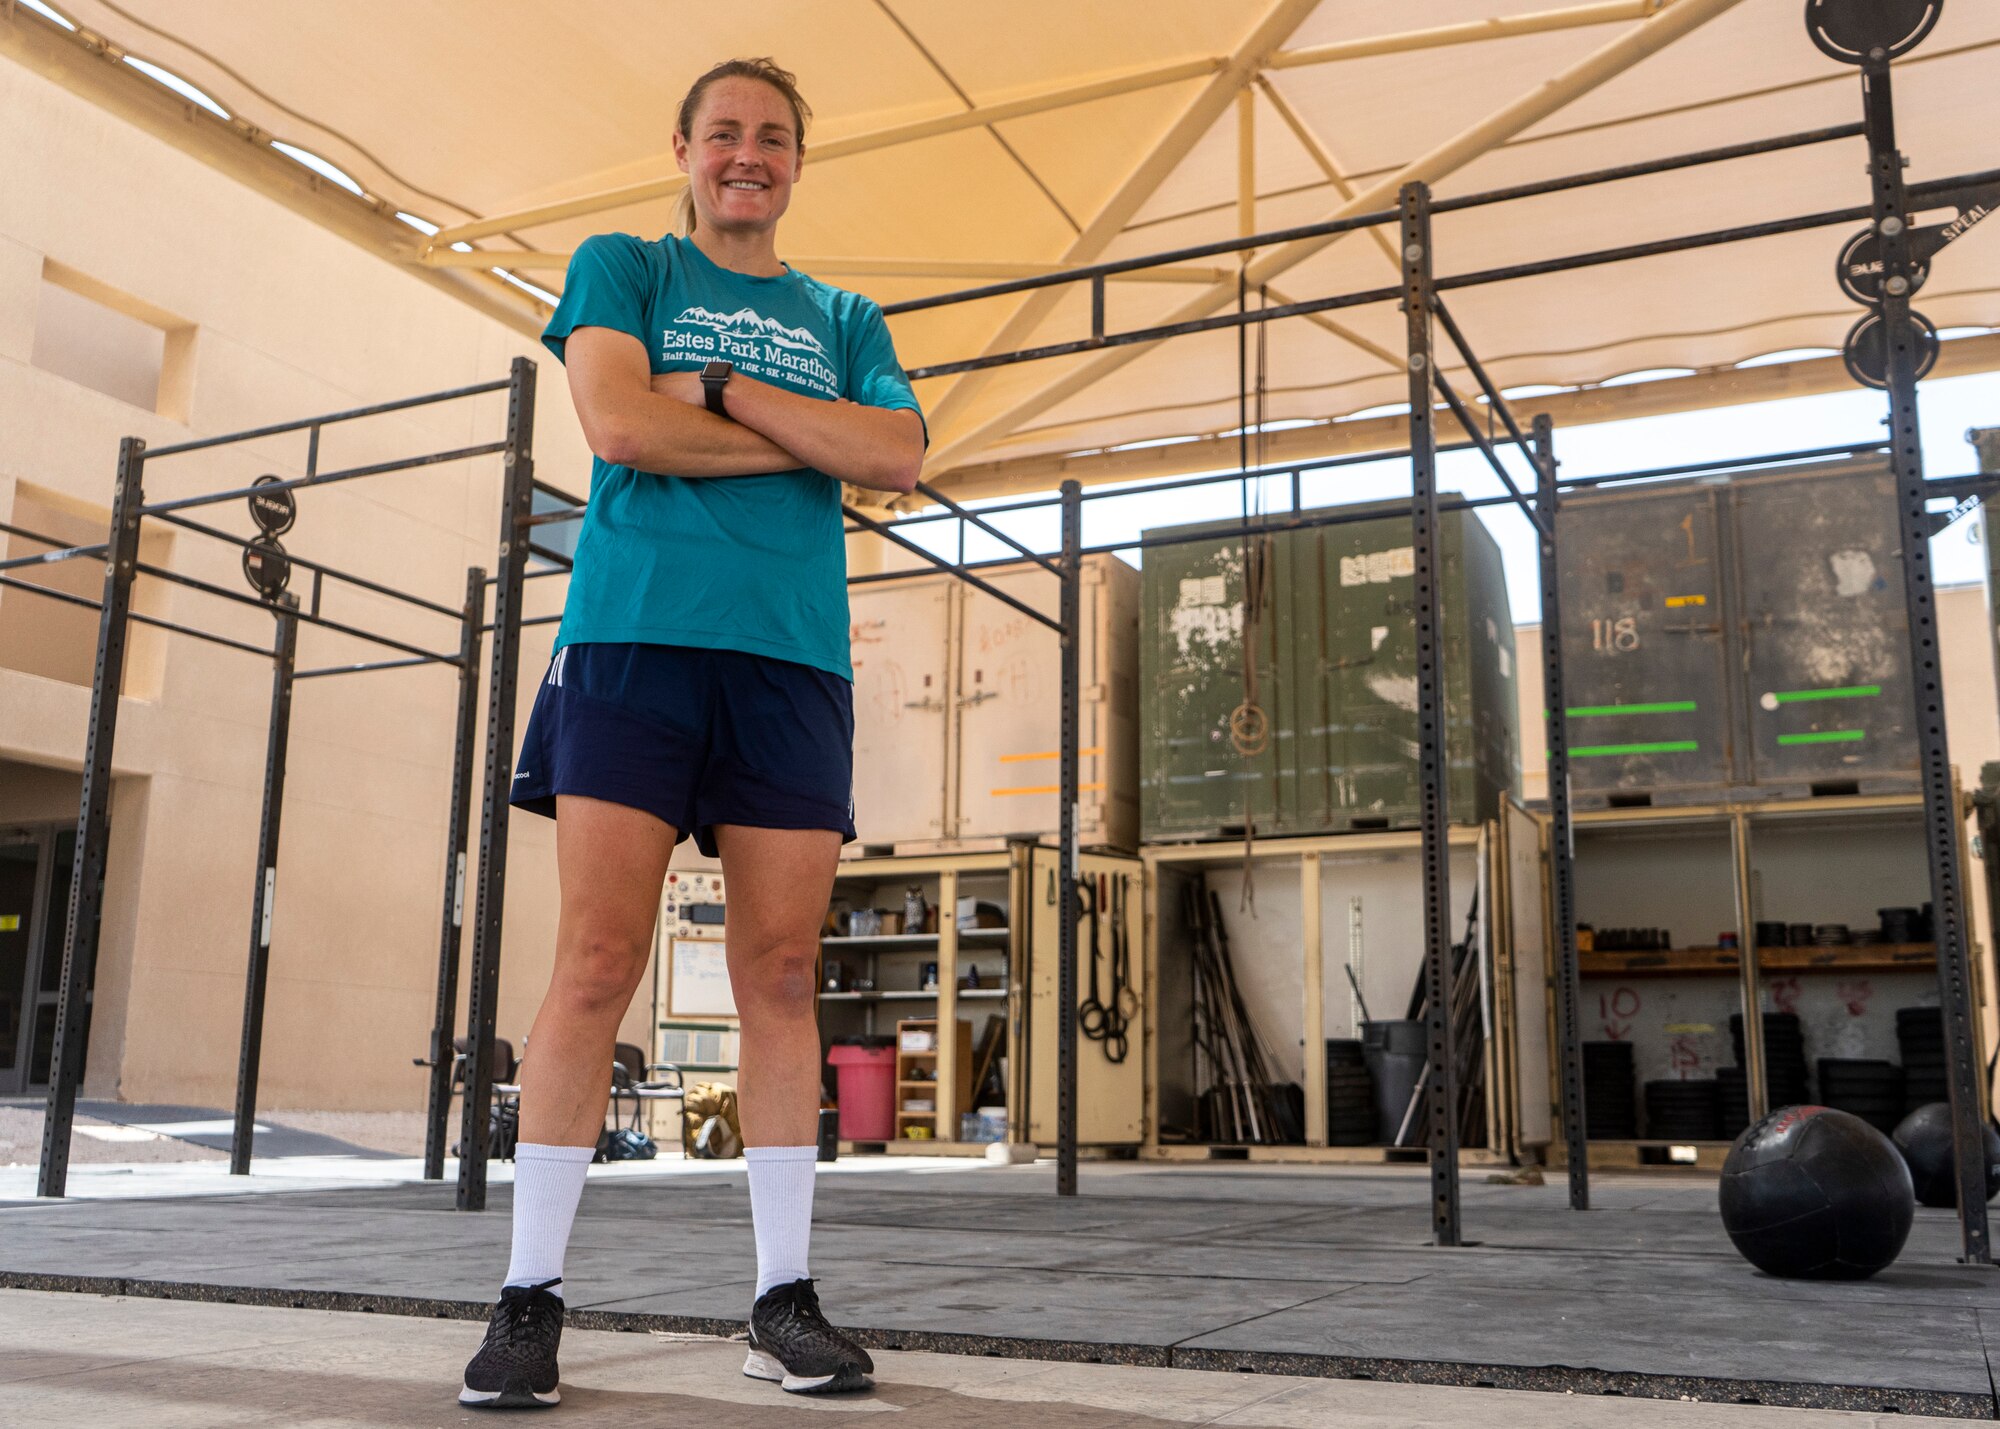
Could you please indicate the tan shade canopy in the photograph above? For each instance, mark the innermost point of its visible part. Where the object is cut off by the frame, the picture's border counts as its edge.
(1111, 129)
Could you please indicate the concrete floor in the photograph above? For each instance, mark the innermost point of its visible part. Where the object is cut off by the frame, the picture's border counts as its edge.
(154, 1364)
(1265, 1270)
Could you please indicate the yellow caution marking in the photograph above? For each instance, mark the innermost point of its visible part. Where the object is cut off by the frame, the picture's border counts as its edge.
(1046, 789)
(1051, 754)
(1675, 602)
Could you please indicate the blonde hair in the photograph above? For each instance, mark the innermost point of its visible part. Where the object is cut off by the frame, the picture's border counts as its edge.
(762, 68)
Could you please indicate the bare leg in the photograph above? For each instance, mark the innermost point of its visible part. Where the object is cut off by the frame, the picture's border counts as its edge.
(612, 861)
(779, 884)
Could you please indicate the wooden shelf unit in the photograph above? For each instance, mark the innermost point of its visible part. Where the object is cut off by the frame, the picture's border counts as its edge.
(910, 1062)
(893, 961)
(1843, 957)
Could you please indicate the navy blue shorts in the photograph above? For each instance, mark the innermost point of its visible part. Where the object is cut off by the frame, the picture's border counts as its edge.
(695, 737)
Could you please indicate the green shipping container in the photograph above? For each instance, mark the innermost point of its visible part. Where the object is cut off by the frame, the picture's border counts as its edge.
(1336, 681)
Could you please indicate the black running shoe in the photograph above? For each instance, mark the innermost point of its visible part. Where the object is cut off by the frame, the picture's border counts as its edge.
(516, 1364)
(792, 1344)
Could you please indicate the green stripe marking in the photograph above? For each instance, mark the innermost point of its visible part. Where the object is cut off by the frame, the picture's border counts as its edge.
(1596, 751)
(1827, 736)
(1661, 707)
(1841, 692)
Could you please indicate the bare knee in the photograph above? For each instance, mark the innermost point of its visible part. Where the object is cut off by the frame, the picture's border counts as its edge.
(598, 973)
(780, 980)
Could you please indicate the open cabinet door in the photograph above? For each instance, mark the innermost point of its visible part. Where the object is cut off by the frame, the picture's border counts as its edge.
(1110, 1094)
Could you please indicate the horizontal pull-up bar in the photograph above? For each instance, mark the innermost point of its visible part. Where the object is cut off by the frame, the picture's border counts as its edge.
(194, 583)
(952, 508)
(1377, 218)
(907, 544)
(1157, 334)
(313, 423)
(1730, 464)
(57, 552)
(160, 508)
(314, 566)
(1268, 526)
(1915, 195)
(1496, 400)
(1458, 410)
(1258, 473)
(368, 665)
(69, 598)
(559, 494)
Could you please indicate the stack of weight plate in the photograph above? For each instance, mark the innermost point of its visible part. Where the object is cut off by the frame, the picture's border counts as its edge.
(1350, 1095)
(1920, 1031)
(1682, 1111)
(1872, 1091)
(1610, 1092)
(1784, 1056)
(1732, 1096)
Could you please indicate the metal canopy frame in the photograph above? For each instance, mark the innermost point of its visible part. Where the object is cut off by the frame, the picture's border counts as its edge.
(123, 568)
(1418, 293)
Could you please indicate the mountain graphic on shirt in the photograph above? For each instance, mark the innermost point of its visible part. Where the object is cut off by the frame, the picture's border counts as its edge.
(745, 323)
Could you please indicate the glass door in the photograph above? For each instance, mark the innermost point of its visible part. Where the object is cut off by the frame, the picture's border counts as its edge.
(21, 870)
(60, 859)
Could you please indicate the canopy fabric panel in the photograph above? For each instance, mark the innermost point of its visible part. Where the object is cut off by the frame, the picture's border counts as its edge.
(456, 112)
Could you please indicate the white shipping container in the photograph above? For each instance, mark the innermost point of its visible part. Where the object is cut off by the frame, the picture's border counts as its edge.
(957, 709)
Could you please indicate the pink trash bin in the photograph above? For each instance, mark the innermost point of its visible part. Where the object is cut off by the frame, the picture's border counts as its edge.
(867, 1092)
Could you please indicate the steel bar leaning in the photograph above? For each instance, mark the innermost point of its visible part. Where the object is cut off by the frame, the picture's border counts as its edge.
(263, 898)
(465, 749)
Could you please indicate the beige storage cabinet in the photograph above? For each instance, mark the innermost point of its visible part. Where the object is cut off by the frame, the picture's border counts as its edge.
(957, 710)
(901, 637)
(1110, 1095)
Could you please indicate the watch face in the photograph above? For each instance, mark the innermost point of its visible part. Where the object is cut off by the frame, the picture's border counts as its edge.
(715, 369)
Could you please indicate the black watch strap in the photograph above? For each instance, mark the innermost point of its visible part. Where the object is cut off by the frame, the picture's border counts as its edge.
(714, 377)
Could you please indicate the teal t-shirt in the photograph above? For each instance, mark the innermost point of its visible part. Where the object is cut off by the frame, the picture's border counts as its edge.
(751, 563)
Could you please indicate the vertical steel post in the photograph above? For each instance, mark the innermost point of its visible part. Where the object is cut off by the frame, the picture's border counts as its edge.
(93, 832)
(264, 897)
(1892, 228)
(518, 486)
(1562, 842)
(1433, 769)
(438, 1110)
(1071, 613)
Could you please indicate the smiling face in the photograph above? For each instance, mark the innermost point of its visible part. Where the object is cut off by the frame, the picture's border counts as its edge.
(742, 157)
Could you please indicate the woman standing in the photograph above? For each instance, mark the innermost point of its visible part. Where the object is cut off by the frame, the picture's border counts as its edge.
(701, 686)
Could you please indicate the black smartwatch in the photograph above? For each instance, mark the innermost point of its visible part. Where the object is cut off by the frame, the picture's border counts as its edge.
(714, 377)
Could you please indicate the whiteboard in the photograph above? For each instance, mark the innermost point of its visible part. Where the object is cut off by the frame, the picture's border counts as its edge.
(698, 979)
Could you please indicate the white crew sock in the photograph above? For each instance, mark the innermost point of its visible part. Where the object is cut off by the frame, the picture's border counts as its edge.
(548, 1182)
(781, 1210)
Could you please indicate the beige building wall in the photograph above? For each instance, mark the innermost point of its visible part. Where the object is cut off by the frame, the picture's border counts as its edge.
(263, 317)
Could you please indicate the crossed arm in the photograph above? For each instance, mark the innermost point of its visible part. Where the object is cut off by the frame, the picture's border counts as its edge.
(632, 418)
